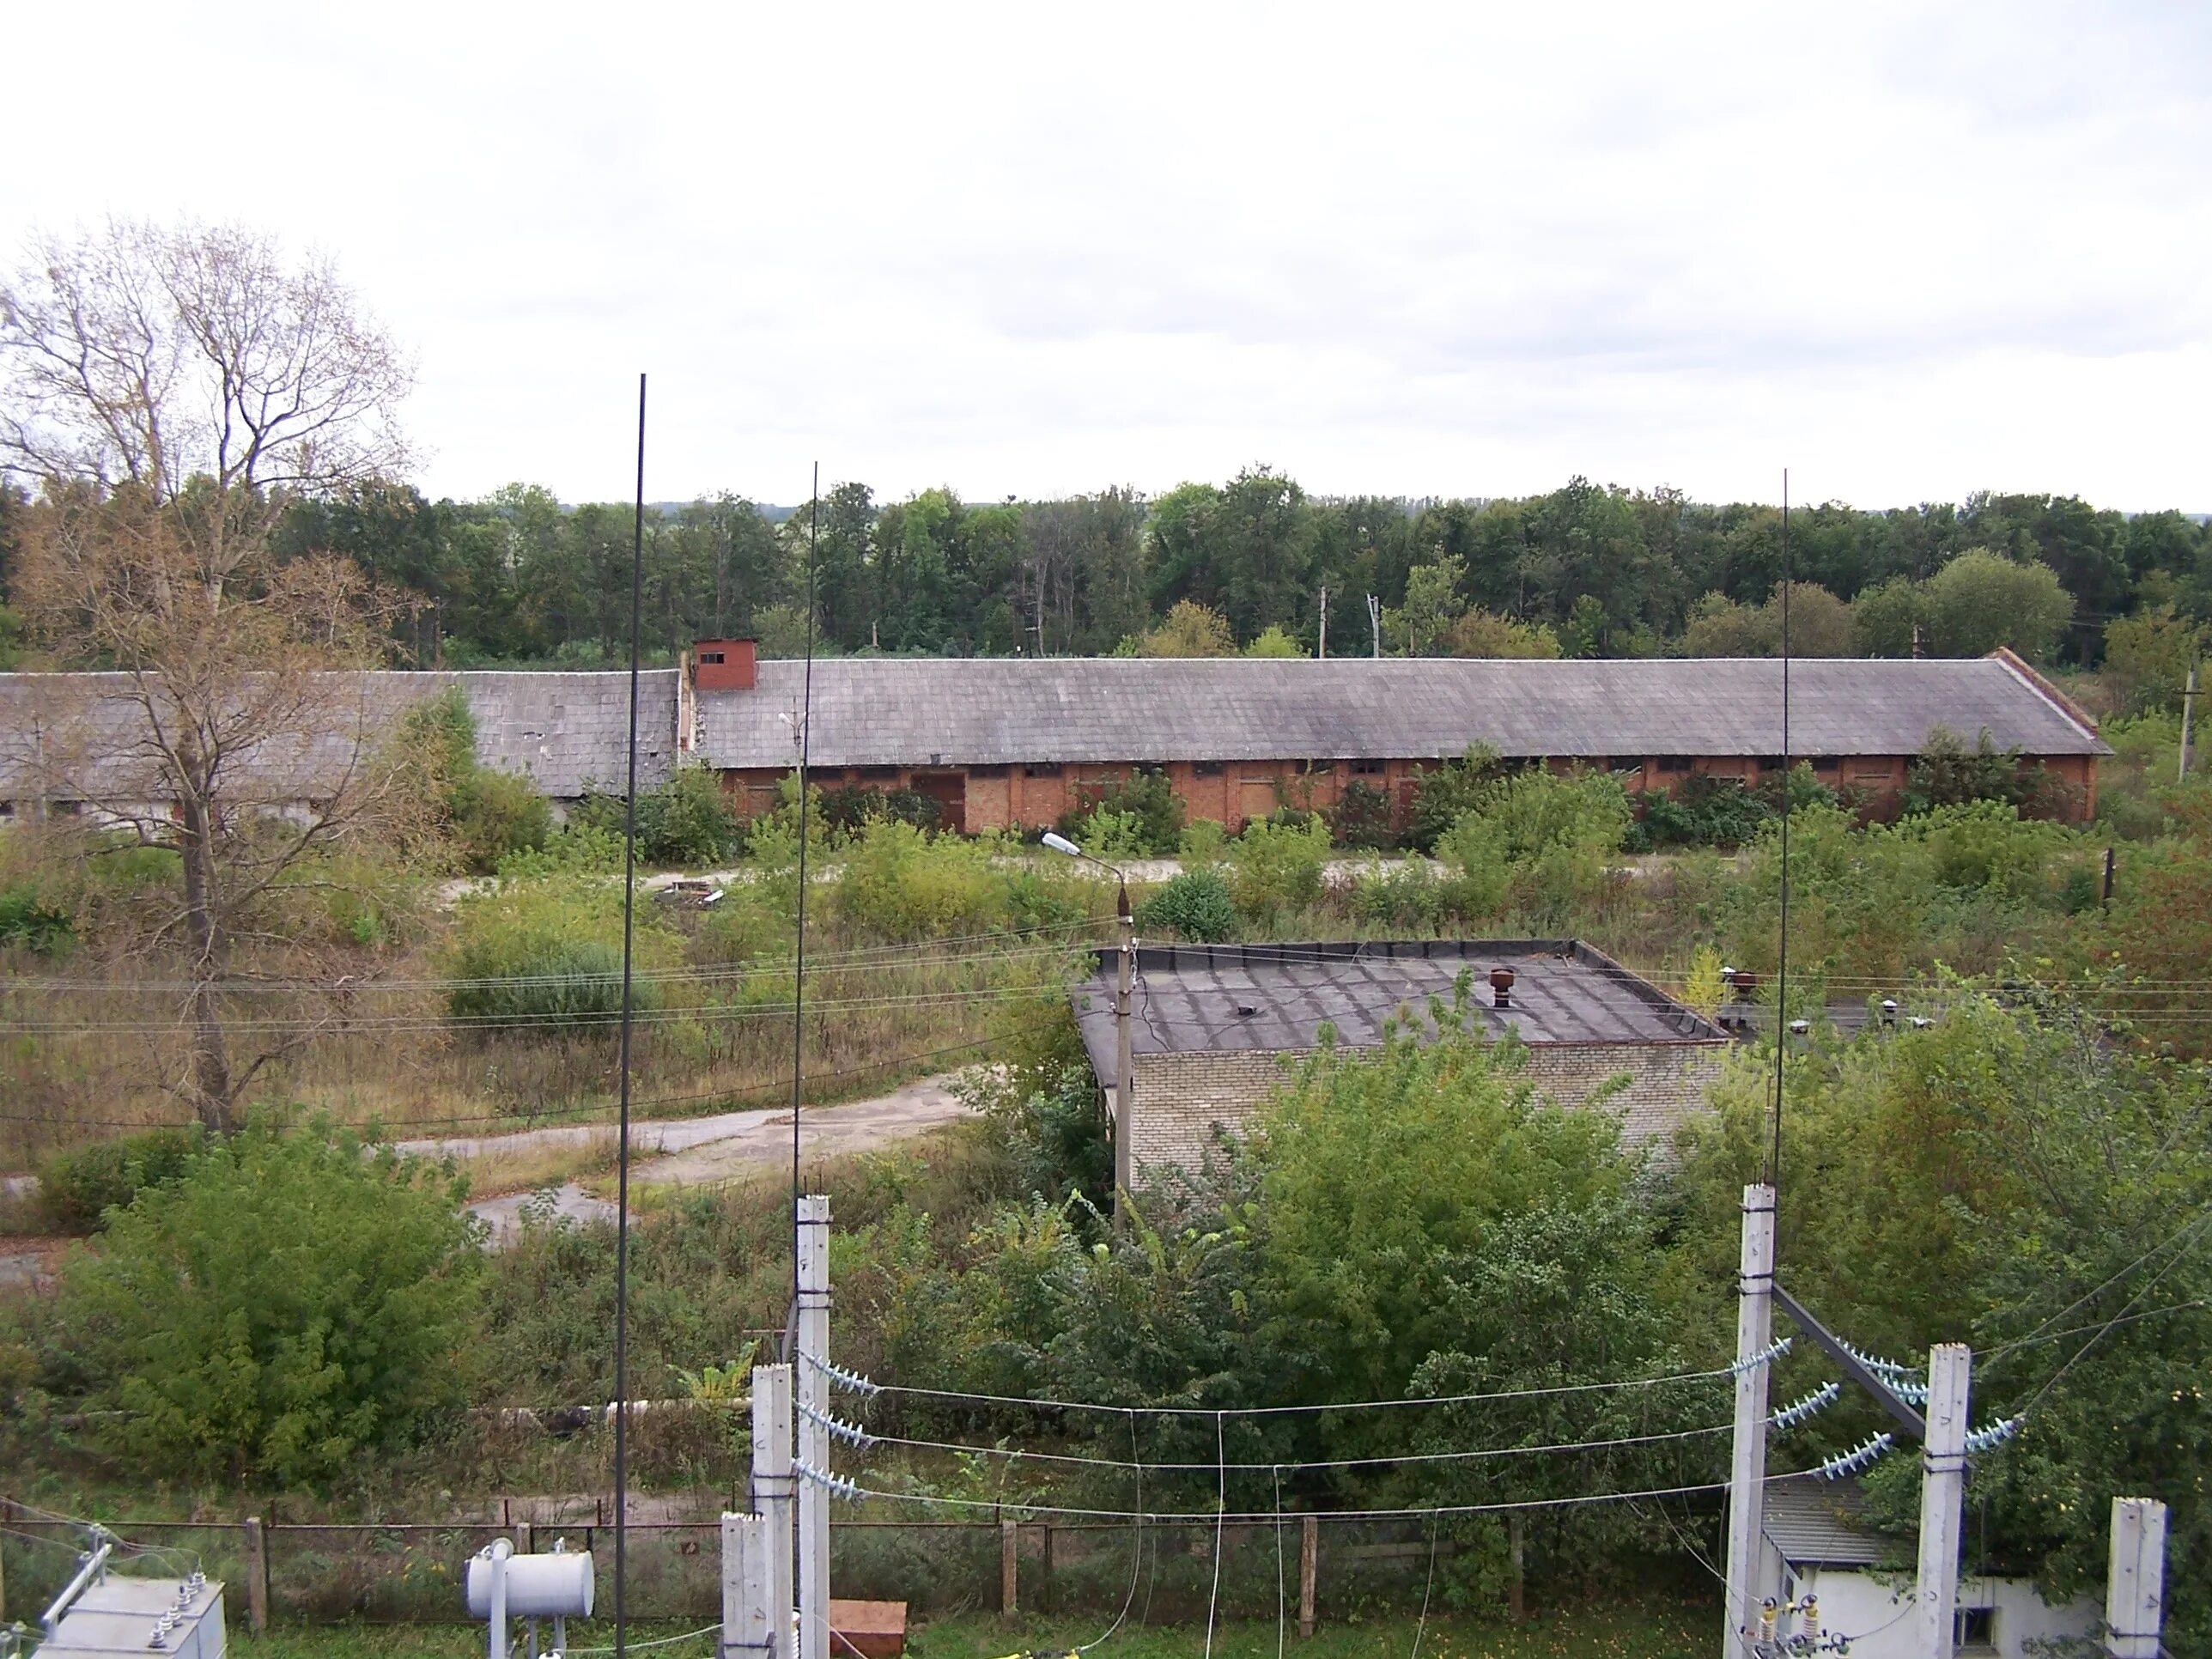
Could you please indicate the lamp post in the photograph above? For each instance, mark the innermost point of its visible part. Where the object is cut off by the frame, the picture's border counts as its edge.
(1125, 1084)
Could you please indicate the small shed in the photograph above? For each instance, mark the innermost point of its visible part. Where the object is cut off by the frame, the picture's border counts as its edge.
(1818, 1543)
(1212, 1024)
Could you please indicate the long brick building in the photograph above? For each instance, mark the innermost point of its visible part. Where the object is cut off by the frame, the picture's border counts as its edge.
(1012, 743)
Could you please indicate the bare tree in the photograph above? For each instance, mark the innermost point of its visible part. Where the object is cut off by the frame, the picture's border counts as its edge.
(171, 392)
(199, 366)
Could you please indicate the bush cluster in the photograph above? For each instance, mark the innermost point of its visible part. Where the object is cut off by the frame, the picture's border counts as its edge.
(1148, 817)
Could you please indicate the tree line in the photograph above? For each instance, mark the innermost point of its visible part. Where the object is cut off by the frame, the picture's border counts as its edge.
(1583, 570)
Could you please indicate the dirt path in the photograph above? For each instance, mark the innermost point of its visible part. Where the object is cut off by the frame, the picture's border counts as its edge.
(707, 1150)
(692, 1151)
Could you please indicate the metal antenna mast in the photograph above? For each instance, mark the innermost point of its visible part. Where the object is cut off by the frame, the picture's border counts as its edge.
(1782, 963)
(621, 1133)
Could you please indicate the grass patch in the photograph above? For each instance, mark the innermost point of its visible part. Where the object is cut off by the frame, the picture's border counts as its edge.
(1658, 1629)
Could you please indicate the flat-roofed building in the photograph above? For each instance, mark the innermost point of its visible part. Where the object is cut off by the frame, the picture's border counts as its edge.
(1212, 1027)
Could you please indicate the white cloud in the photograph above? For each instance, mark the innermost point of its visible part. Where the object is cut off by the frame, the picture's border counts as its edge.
(1909, 252)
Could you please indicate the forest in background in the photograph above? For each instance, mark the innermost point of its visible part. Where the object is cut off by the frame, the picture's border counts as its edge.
(519, 579)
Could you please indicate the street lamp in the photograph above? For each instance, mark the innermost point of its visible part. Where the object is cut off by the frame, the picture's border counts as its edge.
(1125, 1084)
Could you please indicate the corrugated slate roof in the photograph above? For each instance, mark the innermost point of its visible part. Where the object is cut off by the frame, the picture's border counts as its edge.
(1275, 998)
(86, 734)
(907, 711)
(1817, 1523)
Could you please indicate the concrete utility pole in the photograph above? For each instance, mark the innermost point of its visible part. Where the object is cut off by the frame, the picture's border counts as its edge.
(745, 1587)
(1375, 621)
(1320, 645)
(1125, 1080)
(813, 1383)
(1942, 1495)
(1754, 1333)
(2135, 1590)
(2188, 724)
(773, 1483)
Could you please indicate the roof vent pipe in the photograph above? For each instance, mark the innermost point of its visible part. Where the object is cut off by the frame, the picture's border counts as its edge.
(1501, 987)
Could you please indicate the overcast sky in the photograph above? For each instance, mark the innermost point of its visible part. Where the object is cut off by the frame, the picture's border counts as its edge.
(1458, 249)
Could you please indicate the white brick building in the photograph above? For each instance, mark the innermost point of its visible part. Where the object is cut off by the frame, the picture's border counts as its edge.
(1214, 1027)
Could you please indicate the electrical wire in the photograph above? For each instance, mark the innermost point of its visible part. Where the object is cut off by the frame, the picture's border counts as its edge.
(1016, 1454)
(1553, 1391)
(658, 1642)
(1255, 1517)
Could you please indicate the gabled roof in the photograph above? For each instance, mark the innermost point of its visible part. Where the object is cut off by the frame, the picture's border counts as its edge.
(87, 735)
(947, 711)
(1273, 998)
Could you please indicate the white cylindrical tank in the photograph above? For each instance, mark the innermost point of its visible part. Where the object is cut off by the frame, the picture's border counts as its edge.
(556, 1585)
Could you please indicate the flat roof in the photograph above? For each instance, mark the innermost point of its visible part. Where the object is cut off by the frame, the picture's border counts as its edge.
(1274, 999)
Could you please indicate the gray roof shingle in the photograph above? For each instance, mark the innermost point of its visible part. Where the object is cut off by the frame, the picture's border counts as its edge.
(895, 711)
(87, 735)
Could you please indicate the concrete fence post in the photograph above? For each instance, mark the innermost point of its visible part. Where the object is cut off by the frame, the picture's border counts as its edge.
(257, 1576)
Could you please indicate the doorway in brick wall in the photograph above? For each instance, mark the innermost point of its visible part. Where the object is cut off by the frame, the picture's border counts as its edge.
(950, 791)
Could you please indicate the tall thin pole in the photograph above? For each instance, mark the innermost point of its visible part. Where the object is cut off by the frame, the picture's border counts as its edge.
(1942, 1492)
(1754, 1330)
(2188, 724)
(1782, 963)
(1320, 643)
(621, 1133)
(798, 1253)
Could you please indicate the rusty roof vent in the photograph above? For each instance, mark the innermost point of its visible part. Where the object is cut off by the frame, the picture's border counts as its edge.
(1501, 987)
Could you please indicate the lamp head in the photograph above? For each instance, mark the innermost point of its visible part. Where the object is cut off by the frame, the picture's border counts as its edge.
(1059, 844)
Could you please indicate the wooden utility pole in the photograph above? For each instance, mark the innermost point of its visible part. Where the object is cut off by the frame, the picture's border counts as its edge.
(1009, 1560)
(1309, 1570)
(2188, 724)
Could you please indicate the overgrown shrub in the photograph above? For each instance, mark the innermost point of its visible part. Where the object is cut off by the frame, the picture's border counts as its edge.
(77, 1188)
(495, 813)
(850, 806)
(1363, 816)
(1196, 905)
(30, 923)
(548, 953)
(1441, 796)
(1703, 812)
(1275, 867)
(686, 821)
(1146, 795)
(1987, 843)
(282, 1307)
(1407, 896)
(1945, 773)
(476, 815)
(897, 883)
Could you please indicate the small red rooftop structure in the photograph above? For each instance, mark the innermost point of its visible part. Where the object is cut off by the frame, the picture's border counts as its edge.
(724, 665)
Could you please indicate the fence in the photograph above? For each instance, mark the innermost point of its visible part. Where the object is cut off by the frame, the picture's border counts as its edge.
(409, 1572)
